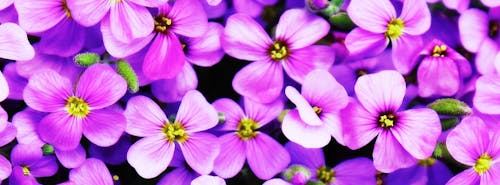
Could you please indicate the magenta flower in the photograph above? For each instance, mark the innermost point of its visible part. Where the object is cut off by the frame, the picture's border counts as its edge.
(441, 71)
(402, 136)
(92, 171)
(487, 97)
(28, 163)
(470, 144)
(14, 44)
(7, 134)
(316, 118)
(152, 154)
(252, 8)
(266, 157)
(207, 179)
(291, 49)
(77, 110)
(4, 88)
(379, 25)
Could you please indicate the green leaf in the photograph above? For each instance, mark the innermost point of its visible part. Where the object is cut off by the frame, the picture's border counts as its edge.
(450, 107)
(87, 59)
(126, 71)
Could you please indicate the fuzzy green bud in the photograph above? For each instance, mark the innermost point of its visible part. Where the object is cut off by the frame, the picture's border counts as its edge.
(447, 123)
(47, 149)
(297, 174)
(126, 71)
(342, 21)
(87, 59)
(450, 107)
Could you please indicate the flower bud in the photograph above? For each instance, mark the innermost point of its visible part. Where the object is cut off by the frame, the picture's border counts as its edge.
(87, 59)
(126, 71)
(297, 174)
(450, 107)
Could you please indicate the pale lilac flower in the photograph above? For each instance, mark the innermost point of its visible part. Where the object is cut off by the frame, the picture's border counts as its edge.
(14, 44)
(487, 96)
(208, 180)
(4, 88)
(7, 134)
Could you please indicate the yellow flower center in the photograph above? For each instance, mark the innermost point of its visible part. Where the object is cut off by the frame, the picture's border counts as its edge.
(247, 128)
(394, 28)
(26, 170)
(162, 23)
(427, 162)
(77, 107)
(483, 164)
(66, 9)
(494, 28)
(279, 51)
(175, 132)
(317, 110)
(387, 120)
(439, 51)
(325, 175)
(116, 177)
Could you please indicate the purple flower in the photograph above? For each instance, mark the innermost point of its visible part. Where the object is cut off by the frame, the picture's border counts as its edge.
(28, 163)
(7, 134)
(441, 70)
(470, 143)
(379, 25)
(265, 156)
(207, 179)
(490, 3)
(460, 5)
(487, 97)
(428, 172)
(115, 154)
(402, 136)
(77, 110)
(152, 154)
(14, 43)
(4, 88)
(252, 8)
(15, 82)
(5, 4)
(291, 49)
(92, 171)
(316, 118)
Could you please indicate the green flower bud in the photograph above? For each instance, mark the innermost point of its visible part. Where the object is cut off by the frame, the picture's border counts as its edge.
(87, 59)
(126, 71)
(447, 123)
(47, 149)
(297, 174)
(450, 107)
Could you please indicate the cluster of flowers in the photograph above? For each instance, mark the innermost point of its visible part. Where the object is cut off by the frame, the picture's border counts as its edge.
(401, 73)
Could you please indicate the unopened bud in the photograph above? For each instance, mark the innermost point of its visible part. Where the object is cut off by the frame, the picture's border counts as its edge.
(450, 107)
(87, 59)
(297, 174)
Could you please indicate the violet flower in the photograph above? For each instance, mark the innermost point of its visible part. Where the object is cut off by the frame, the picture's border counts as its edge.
(402, 135)
(427, 172)
(459, 5)
(77, 110)
(379, 25)
(292, 49)
(207, 179)
(252, 8)
(4, 88)
(7, 134)
(28, 163)
(316, 118)
(265, 156)
(92, 171)
(152, 154)
(491, 3)
(14, 43)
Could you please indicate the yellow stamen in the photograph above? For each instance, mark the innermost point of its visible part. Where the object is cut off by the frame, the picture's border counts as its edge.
(26, 170)
(317, 110)
(387, 120)
(439, 51)
(279, 51)
(77, 107)
(483, 164)
(162, 23)
(116, 177)
(325, 175)
(394, 29)
(175, 132)
(247, 128)
(427, 162)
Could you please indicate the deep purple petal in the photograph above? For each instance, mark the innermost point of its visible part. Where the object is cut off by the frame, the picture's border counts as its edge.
(172, 90)
(18, 177)
(144, 117)
(312, 158)
(151, 155)
(16, 83)
(266, 157)
(55, 41)
(61, 130)
(415, 175)
(261, 81)
(92, 171)
(299, 28)
(25, 154)
(100, 86)
(179, 176)
(439, 173)
(200, 151)
(355, 171)
(44, 167)
(232, 156)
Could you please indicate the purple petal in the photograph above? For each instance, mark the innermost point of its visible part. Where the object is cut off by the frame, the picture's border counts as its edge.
(144, 117)
(104, 127)
(55, 41)
(487, 97)
(473, 28)
(165, 58)
(114, 155)
(468, 176)
(18, 177)
(417, 130)
(232, 112)
(263, 113)
(207, 179)
(47, 91)
(321, 89)
(195, 113)
(405, 51)
(7, 134)
(71, 158)
(151, 155)
(361, 42)
(355, 171)
(61, 130)
(92, 171)
(35, 16)
(16, 83)
(179, 176)
(304, 60)
(200, 151)
(25, 154)
(492, 176)
(261, 81)
(300, 29)
(251, 8)
(44, 167)
(26, 122)
(380, 92)
(118, 48)
(88, 12)
(362, 128)
(206, 50)
(490, 3)
(172, 90)
(460, 6)
(4, 88)
(333, 123)
(486, 55)
(309, 136)
(5, 168)
(389, 155)
(439, 173)
(312, 158)
(371, 15)
(266, 157)
(15, 44)
(415, 175)
(245, 39)
(438, 76)
(100, 86)
(277, 181)
(232, 156)
(468, 141)
(416, 17)
(150, 3)
(188, 18)
(130, 21)
(305, 110)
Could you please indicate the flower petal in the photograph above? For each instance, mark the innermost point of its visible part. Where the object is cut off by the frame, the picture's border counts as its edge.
(206, 50)
(362, 128)
(165, 58)
(468, 176)
(118, 48)
(200, 151)
(104, 127)
(130, 21)
(321, 89)
(47, 91)
(486, 55)
(405, 51)
(71, 158)
(172, 90)
(44, 167)
(304, 60)
(232, 156)
(487, 97)
(26, 122)
(92, 171)
(266, 157)
(232, 112)
(263, 113)
(299, 28)
(144, 117)
(380, 92)
(312, 158)
(15, 82)
(188, 18)
(468, 141)
(14, 44)
(207, 179)
(7, 134)
(355, 171)
(389, 155)
(416, 17)
(5, 168)
(88, 12)
(55, 41)
(473, 28)
(437, 76)
(180, 176)
(309, 136)
(61, 130)
(4, 88)
(261, 81)
(360, 42)
(36, 16)
(195, 113)
(490, 3)
(150, 156)
(100, 86)
(305, 110)
(371, 15)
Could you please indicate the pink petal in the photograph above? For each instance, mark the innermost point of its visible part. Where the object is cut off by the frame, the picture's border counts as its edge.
(305, 110)
(468, 176)
(263, 113)
(188, 18)
(362, 128)
(405, 51)
(38, 16)
(492, 176)
(417, 130)
(206, 50)
(88, 12)
(473, 28)
(144, 117)
(150, 3)
(437, 76)
(304, 60)
(200, 151)
(232, 112)
(490, 3)
(104, 127)
(47, 91)
(118, 48)
(71, 158)
(207, 179)
(333, 124)
(468, 141)
(276, 181)
(251, 8)
(389, 155)
(380, 92)
(180, 176)
(460, 6)
(486, 99)
(5, 168)
(261, 81)
(232, 156)
(130, 21)
(195, 113)
(309, 136)
(3, 5)
(8, 134)
(266, 157)
(172, 90)
(14, 44)
(151, 155)
(92, 171)
(245, 39)
(321, 89)
(26, 122)
(371, 15)
(362, 42)
(100, 86)
(164, 59)
(61, 130)
(416, 17)
(486, 55)
(4, 88)
(299, 28)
